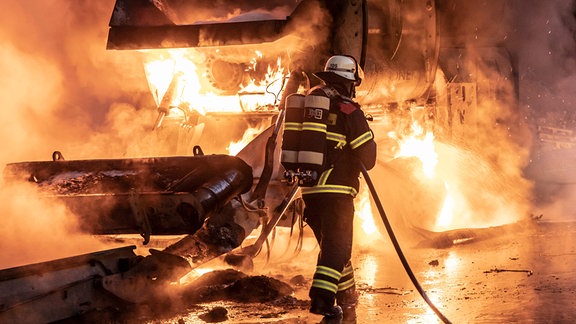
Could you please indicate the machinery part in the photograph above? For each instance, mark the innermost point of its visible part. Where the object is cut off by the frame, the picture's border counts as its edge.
(397, 245)
(403, 47)
(141, 25)
(279, 211)
(55, 290)
(57, 156)
(141, 218)
(197, 150)
(169, 195)
(147, 280)
(170, 99)
(223, 75)
(219, 191)
(350, 28)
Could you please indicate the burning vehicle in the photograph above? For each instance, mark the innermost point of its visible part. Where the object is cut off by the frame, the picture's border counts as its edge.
(232, 66)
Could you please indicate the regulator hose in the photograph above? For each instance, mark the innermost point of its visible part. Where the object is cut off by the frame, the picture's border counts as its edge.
(397, 245)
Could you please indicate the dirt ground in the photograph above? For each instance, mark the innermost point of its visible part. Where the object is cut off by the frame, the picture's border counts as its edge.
(510, 274)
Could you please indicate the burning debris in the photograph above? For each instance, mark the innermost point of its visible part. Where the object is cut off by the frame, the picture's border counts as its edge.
(447, 239)
(218, 287)
(215, 315)
(172, 195)
(236, 286)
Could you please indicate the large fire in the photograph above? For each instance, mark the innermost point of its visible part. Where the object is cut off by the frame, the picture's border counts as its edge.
(450, 187)
(421, 144)
(187, 83)
(182, 67)
(177, 80)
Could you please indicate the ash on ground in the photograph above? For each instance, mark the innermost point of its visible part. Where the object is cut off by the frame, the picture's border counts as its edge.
(216, 296)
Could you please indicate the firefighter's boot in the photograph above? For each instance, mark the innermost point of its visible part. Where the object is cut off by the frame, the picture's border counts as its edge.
(322, 303)
(348, 300)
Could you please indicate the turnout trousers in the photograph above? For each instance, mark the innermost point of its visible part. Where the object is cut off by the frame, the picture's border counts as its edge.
(331, 218)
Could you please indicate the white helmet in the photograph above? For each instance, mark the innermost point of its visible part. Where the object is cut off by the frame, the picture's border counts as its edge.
(343, 66)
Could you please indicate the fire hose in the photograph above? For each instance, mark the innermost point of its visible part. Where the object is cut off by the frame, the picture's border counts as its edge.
(397, 245)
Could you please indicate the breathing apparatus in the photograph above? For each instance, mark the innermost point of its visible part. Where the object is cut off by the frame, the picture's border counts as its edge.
(304, 137)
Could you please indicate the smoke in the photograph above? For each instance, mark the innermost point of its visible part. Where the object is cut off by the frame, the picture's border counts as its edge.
(482, 135)
(536, 40)
(547, 55)
(61, 90)
(59, 81)
(497, 135)
(36, 229)
(545, 44)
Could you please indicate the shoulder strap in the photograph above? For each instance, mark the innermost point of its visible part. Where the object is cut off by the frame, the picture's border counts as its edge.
(331, 93)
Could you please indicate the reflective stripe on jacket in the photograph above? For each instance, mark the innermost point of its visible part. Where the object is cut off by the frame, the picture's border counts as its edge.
(347, 131)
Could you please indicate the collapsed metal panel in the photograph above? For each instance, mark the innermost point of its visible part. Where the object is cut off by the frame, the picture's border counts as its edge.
(223, 34)
(165, 195)
(141, 25)
(59, 289)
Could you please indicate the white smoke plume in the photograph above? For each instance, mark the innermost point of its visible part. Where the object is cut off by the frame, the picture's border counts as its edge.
(546, 47)
(60, 90)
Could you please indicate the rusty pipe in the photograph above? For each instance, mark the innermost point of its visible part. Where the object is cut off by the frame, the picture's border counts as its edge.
(170, 99)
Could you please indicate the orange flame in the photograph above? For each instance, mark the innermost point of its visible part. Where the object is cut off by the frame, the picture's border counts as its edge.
(363, 210)
(248, 136)
(420, 144)
(161, 68)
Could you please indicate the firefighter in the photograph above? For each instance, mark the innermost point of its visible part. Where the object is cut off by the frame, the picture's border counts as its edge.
(329, 206)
